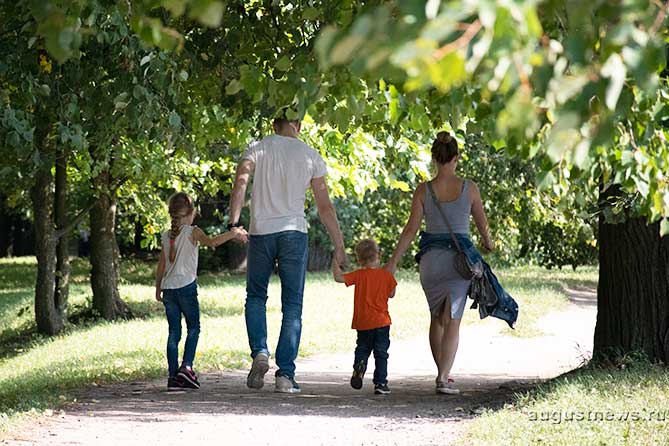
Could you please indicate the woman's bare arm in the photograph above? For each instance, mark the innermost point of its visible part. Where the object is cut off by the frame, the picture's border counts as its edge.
(411, 228)
(160, 272)
(479, 217)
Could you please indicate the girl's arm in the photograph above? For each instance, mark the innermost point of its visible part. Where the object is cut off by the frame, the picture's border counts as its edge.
(410, 230)
(235, 233)
(160, 272)
(479, 217)
(337, 272)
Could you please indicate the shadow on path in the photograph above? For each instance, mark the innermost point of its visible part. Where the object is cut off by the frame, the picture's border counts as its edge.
(489, 369)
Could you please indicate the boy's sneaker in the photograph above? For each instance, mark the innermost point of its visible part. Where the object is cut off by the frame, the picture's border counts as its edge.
(381, 389)
(256, 377)
(175, 383)
(284, 384)
(189, 378)
(447, 388)
(358, 375)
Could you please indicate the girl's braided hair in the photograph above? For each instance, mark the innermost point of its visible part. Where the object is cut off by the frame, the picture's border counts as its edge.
(180, 206)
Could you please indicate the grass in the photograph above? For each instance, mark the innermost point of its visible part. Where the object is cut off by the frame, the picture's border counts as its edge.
(624, 405)
(38, 372)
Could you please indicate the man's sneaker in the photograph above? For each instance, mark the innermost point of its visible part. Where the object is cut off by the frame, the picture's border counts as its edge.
(189, 378)
(358, 375)
(260, 366)
(381, 389)
(447, 388)
(285, 384)
(174, 383)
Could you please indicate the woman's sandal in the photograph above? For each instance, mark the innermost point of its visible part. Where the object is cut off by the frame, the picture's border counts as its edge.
(447, 388)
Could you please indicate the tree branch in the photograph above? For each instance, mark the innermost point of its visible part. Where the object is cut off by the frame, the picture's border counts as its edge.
(76, 220)
(460, 42)
(660, 17)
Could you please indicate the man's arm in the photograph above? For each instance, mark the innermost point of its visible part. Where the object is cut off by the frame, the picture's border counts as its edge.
(244, 170)
(328, 215)
(337, 273)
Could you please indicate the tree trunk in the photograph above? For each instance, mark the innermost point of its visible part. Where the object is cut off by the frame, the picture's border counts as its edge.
(5, 228)
(633, 291)
(320, 257)
(104, 254)
(62, 288)
(47, 316)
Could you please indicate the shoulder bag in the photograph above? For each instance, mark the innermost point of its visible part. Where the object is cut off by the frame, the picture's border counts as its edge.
(461, 262)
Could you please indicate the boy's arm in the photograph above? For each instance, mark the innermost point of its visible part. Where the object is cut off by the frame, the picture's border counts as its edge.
(212, 242)
(393, 284)
(337, 272)
(160, 272)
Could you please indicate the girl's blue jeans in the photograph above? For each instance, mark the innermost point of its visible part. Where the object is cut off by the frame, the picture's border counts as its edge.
(177, 302)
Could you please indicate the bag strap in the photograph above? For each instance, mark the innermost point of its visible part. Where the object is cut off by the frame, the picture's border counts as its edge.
(441, 212)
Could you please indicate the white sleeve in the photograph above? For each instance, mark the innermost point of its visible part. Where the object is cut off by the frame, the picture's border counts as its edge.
(319, 167)
(250, 152)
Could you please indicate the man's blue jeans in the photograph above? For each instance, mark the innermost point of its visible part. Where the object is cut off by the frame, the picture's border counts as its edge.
(177, 302)
(290, 250)
(376, 340)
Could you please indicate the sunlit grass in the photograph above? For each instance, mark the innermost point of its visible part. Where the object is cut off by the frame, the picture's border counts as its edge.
(38, 372)
(590, 406)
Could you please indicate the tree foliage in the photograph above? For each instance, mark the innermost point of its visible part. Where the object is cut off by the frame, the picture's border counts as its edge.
(572, 84)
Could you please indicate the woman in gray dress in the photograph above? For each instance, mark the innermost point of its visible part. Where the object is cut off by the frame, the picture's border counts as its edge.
(445, 289)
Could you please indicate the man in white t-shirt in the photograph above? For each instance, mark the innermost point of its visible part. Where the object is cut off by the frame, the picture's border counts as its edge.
(283, 168)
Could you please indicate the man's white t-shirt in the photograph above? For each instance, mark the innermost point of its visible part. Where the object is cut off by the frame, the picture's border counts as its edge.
(284, 168)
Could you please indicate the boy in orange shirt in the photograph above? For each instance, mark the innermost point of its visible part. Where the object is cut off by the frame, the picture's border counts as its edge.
(373, 287)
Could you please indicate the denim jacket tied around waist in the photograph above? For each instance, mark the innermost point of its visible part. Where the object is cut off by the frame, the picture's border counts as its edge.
(506, 307)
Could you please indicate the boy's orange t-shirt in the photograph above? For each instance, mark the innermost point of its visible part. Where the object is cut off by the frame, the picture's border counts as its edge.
(373, 287)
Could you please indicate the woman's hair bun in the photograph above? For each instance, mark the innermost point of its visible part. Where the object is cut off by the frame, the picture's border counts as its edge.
(444, 137)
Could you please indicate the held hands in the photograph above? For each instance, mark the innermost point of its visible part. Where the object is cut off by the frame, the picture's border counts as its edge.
(339, 257)
(239, 234)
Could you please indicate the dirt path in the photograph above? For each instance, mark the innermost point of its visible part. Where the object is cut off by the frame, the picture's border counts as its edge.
(488, 368)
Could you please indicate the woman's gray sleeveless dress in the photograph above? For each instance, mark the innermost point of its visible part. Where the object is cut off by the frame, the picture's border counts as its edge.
(437, 272)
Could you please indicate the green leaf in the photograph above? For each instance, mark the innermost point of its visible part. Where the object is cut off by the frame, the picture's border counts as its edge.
(183, 75)
(614, 69)
(401, 185)
(233, 87)
(664, 227)
(310, 14)
(283, 64)
(175, 119)
(176, 7)
(432, 8)
(207, 12)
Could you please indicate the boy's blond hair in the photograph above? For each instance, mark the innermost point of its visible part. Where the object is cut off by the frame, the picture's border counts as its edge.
(366, 250)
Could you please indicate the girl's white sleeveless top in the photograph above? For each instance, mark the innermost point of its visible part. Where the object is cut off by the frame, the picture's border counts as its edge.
(183, 271)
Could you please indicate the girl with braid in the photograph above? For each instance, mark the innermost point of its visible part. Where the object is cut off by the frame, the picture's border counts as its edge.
(176, 285)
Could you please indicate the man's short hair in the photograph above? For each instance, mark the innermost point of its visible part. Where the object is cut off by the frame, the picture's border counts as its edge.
(280, 122)
(281, 118)
(366, 250)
